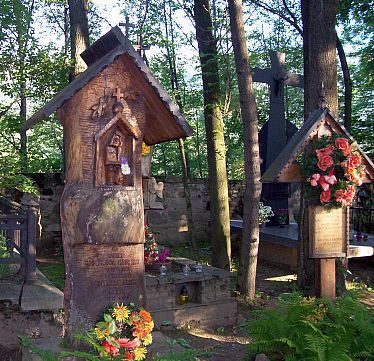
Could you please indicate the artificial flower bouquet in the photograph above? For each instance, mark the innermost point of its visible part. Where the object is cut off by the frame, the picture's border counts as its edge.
(152, 252)
(282, 214)
(265, 213)
(124, 333)
(333, 171)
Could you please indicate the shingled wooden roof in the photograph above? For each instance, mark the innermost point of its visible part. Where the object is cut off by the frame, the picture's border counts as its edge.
(285, 169)
(101, 54)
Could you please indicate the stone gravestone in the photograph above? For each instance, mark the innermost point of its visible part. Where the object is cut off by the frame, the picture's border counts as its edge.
(277, 131)
(328, 228)
(107, 112)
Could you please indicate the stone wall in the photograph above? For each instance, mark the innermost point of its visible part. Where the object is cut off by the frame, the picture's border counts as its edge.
(169, 224)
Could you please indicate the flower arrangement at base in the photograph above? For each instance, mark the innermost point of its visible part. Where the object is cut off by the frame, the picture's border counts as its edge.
(282, 214)
(152, 252)
(265, 213)
(333, 171)
(124, 333)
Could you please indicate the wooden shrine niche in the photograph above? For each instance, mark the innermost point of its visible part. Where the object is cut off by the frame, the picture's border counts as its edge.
(115, 144)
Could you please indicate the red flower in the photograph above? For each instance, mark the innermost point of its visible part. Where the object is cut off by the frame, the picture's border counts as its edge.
(112, 350)
(343, 145)
(325, 196)
(324, 162)
(325, 151)
(353, 161)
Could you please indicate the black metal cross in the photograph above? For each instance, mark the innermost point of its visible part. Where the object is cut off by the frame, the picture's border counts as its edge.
(276, 77)
(127, 26)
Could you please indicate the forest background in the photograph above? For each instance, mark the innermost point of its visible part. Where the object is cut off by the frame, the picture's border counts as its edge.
(35, 64)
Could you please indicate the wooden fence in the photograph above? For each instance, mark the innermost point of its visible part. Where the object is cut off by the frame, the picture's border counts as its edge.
(18, 235)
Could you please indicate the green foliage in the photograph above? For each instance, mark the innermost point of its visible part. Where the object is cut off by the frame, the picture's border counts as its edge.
(19, 182)
(4, 253)
(55, 272)
(302, 329)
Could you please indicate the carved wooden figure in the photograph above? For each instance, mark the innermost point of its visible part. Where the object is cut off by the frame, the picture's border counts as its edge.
(107, 112)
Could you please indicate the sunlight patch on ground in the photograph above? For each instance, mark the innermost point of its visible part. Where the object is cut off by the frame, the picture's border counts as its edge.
(221, 338)
(285, 278)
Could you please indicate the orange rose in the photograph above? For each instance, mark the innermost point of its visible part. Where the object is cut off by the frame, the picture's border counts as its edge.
(343, 145)
(325, 151)
(354, 160)
(325, 196)
(338, 195)
(324, 162)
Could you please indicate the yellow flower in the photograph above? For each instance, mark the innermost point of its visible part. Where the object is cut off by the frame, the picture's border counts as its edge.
(120, 313)
(140, 353)
(145, 149)
(99, 334)
(148, 340)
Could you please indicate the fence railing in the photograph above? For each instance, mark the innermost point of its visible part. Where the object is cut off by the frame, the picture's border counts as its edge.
(18, 236)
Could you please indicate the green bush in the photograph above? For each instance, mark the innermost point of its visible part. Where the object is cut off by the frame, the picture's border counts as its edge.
(312, 329)
(4, 253)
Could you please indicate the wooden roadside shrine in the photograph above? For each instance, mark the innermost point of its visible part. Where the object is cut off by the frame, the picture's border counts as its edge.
(106, 113)
(328, 228)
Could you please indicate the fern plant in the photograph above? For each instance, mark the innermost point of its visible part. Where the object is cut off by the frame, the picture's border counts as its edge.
(311, 329)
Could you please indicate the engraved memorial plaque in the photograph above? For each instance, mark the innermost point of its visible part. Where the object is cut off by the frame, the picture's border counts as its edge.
(327, 232)
(104, 274)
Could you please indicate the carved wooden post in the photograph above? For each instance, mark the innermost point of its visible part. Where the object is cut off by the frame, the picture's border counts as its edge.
(106, 112)
(30, 246)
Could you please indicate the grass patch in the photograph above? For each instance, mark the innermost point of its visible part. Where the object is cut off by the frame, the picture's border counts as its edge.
(55, 272)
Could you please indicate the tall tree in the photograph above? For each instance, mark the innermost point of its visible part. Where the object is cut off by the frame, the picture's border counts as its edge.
(219, 205)
(320, 81)
(79, 35)
(170, 53)
(250, 235)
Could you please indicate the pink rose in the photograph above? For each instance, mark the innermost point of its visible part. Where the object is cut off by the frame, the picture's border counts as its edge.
(325, 196)
(324, 162)
(127, 343)
(314, 179)
(343, 145)
(325, 151)
(327, 181)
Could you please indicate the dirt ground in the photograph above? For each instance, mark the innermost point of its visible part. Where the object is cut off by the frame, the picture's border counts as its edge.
(221, 343)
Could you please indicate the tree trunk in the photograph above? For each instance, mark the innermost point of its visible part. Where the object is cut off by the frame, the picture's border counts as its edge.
(79, 36)
(184, 164)
(250, 234)
(319, 19)
(347, 84)
(23, 135)
(319, 47)
(219, 205)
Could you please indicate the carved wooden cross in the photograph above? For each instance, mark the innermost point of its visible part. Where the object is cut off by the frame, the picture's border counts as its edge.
(276, 77)
(127, 26)
(117, 94)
